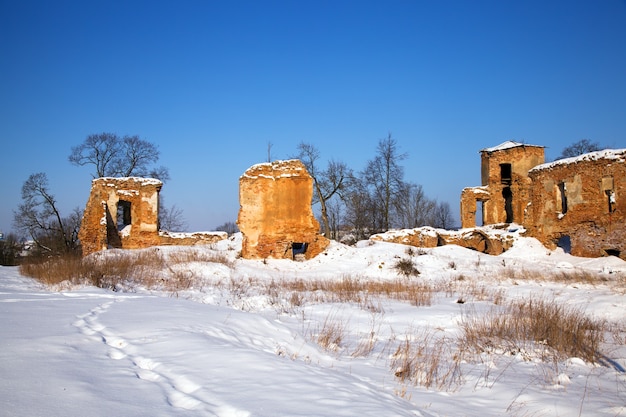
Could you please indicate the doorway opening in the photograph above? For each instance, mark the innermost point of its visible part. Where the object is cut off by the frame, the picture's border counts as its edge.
(507, 194)
(565, 243)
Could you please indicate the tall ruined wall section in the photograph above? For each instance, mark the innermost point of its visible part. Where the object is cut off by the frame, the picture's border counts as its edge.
(520, 159)
(581, 199)
(504, 192)
(275, 211)
(121, 213)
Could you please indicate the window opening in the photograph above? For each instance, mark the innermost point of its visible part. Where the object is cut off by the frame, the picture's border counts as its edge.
(612, 252)
(123, 214)
(563, 197)
(565, 243)
(505, 174)
(298, 250)
(507, 194)
(480, 213)
(611, 200)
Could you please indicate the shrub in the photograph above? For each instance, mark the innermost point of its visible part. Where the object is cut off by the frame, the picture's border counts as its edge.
(406, 267)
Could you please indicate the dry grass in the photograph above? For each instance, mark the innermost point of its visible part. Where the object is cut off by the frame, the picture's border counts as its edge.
(565, 276)
(349, 289)
(53, 271)
(197, 255)
(533, 324)
(150, 268)
(332, 333)
(406, 267)
(425, 358)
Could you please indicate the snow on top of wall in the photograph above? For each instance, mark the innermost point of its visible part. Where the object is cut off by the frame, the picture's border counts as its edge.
(508, 145)
(270, 170)
(142, 180)
(185, 235)
(481, 189)
(617, 155)
(129, 193)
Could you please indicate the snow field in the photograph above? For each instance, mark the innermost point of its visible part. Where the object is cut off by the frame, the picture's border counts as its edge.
(248, 338)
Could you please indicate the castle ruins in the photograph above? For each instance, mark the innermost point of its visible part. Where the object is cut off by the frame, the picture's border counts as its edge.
(124, 213)
(575, 203)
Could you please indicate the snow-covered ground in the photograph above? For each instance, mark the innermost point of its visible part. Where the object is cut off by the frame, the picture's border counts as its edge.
(227, 346)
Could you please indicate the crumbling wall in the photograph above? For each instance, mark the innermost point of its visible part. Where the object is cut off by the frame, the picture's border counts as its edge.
(121, 213)
(275, 212)
(470, 196)
(124, 213)
(505, 189)
(581, 201)
(495, 242)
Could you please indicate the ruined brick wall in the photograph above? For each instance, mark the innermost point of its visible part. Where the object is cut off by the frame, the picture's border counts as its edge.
(469, 198)
(495, 242)
(521, 159)
(505, 184)
(581, 198)
(275, 211)
(101, 228)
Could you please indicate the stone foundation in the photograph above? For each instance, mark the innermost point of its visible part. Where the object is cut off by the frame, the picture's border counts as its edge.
(493, 243)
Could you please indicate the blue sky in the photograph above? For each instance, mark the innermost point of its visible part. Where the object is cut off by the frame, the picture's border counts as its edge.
(212, 83)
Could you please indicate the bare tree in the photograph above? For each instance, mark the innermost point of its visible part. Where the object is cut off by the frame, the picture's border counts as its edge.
(9, 250)
(361, 211)
(39, 217)
(171, 219)
(578, 148)
(384, 176)
(327, 183)
(228, 227)
(413, 208)
(442, 216)
(269, 151)
(113, 156)
(335, 213)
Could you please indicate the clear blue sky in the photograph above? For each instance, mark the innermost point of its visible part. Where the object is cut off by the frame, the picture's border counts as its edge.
(212, 83)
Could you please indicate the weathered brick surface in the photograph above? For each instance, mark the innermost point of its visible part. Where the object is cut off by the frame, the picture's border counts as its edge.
(583, 198)
(493, 243)
(275, 211)
(578, 200)
(520, 158)
(99, 226)
(99, 229)
(190, 239)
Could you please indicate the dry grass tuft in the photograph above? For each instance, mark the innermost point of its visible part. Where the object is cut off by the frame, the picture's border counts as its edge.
(198, 255)
(150, 268)
(424, 358)
(55, 270)
(565, 276)
(332, 333)
(361, 291)
(536, 323)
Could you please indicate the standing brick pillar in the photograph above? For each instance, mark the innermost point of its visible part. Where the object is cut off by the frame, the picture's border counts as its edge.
(275, 215)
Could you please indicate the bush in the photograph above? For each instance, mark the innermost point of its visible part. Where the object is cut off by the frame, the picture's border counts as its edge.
(406, 267)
